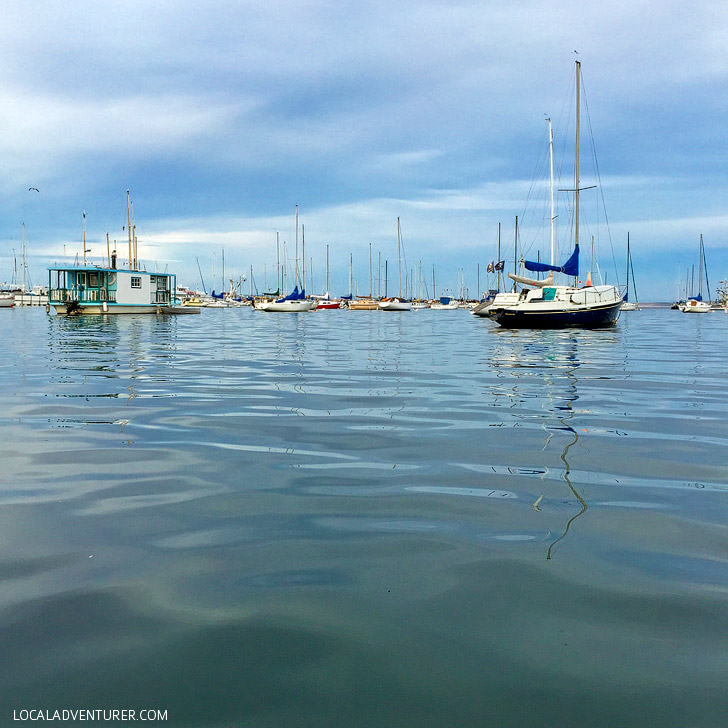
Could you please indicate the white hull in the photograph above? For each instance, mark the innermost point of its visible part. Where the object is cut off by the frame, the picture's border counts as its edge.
(445, 306)
(7, 301)
(284, 306)
(111, 309)
(629, 306)
(693, 306)
(395, 305)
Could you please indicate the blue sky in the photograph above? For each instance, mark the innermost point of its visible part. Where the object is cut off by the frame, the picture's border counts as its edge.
(221, 117)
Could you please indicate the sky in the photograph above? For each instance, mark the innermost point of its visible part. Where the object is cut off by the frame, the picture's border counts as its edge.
(222, 117)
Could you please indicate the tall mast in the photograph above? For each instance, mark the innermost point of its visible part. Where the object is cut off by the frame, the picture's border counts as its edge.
(297, 277)
(434, 295)
(576, 167)
(278, 264)
(515, 254)
(84, 243)
(128, 224)
(351, 274)
(498, 281)
(327, 271)
(371, 290)
(628, 265)
(551, 184)
(399, 257)
(303, 254)
(23, 253)
(700, 269)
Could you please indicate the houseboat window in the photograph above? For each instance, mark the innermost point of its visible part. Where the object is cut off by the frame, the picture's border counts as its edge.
(161, 283)
(136, 282)
(81, 279)
(93, 280)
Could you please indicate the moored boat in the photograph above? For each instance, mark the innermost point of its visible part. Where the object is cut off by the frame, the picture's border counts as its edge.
(560, 306)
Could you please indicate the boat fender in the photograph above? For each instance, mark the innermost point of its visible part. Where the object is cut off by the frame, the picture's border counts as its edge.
(104, 306)
(48, 308)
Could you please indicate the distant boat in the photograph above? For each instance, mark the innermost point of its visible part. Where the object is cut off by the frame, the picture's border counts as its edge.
(397, 303)
(7, 300)
(445, 303)
(560, 306)
(628, 305)
(296, 301)
(695, 304)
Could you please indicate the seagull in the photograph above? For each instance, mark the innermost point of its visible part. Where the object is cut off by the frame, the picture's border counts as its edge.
(33, 188)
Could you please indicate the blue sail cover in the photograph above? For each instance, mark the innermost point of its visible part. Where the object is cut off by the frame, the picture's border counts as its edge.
(293, 296)
(570, 268)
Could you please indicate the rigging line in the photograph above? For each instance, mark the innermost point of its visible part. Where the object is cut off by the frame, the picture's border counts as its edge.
(599, 180)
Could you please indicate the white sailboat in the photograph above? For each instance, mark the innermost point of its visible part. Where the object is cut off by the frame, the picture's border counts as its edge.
(397, 303)
(628, 305)
(560, 306)
(296, 301)
(695, 304)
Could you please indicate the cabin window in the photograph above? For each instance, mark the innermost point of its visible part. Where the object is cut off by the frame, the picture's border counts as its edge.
(81, 279)
(93, 280)
(161, 283)
(136, 282)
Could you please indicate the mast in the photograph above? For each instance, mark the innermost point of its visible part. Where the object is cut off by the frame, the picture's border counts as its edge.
(297, 281)
(108, 253)
(515, 254)
(434, 294)
(279, 282)
(700, 268)
(498, 281)
(128, 224)
(371, 289)
(551, 184)
(576, 166)
(327, 271)
(303, 254)
(351, 274)
(23, 254)
(84, 244)
(399, 257)
(628, 259)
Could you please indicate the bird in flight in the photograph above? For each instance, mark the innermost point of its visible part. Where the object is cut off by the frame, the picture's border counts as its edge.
(33, 188)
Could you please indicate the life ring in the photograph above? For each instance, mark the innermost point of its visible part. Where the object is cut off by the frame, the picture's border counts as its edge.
(112, 279)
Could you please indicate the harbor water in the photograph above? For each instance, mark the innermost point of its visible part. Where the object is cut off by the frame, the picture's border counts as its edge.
(365, 519)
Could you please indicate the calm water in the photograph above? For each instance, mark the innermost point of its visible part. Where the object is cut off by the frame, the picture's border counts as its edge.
(365, 519)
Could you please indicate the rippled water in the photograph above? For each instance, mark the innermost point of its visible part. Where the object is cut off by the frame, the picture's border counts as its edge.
(365, 519)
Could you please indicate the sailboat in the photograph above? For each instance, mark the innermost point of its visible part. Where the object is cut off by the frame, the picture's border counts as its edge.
(397, 303)
(695, 304)
(549, 306)
(628, 305)
(296, 301)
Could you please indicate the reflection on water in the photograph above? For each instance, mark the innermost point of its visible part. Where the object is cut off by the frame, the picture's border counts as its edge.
(349, 518)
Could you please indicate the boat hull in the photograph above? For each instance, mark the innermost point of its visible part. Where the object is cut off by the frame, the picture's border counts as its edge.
(395, 305)
(363, 305)
(284, 306)
(110, 309)
(7, 301)
(594, 317)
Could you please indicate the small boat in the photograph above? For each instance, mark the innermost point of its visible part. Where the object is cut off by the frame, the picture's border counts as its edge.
(419, 305)
(397, 303)
(628, 305)
(695, 304)
(294, 302)
(363, 304)
(7, 300)
(445, 303)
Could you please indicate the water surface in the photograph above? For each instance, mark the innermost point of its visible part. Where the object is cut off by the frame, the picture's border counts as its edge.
(365, 519)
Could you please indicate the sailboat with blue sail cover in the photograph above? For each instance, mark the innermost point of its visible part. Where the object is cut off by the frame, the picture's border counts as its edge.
(548, 306)
(296, 301)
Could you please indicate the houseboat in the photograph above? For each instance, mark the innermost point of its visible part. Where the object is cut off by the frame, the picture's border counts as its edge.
(94, 290)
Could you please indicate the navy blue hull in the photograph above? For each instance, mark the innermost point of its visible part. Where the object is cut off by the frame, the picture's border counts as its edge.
(592, 318)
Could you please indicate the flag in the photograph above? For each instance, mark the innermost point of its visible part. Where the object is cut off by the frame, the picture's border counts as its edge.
(490, 267)
(500, 265)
